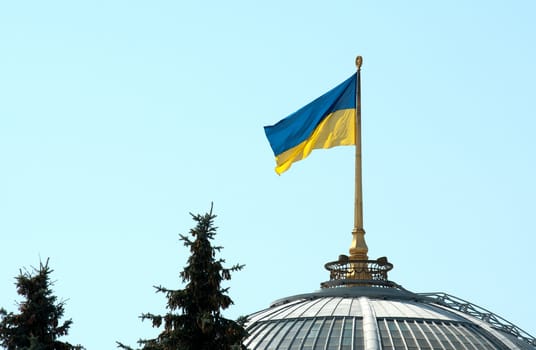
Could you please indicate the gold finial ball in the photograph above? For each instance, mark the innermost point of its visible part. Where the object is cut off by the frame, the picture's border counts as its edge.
(358, 61)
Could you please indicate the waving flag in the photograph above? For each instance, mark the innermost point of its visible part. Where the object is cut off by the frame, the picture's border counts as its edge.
(326, 122)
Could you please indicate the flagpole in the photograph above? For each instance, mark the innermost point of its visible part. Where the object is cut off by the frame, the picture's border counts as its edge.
(358, 248)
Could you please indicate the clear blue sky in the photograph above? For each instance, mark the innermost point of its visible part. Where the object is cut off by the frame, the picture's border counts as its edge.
(118, 118)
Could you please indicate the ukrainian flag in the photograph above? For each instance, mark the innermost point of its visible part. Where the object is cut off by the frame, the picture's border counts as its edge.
(326, 122)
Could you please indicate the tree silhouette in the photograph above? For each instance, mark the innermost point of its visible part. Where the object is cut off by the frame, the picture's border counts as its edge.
(194, 320)
(37, 326)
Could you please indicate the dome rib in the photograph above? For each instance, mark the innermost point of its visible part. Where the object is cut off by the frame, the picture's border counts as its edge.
(371, 333)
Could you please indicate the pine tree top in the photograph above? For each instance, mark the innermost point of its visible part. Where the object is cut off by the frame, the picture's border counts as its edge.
(194, 320)
(37, 325)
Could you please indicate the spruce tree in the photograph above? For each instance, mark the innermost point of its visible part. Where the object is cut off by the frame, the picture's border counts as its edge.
(37, 326)
(194, 320)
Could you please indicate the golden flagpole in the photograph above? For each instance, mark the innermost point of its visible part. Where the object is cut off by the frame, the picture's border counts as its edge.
(358, 248)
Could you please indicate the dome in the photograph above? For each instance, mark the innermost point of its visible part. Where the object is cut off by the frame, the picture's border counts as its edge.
(360, 309)
(373, 313)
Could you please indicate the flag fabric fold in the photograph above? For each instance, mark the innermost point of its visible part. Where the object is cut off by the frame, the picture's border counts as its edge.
(326, 122)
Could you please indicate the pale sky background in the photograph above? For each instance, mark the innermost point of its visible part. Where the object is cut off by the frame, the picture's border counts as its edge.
(118, 118)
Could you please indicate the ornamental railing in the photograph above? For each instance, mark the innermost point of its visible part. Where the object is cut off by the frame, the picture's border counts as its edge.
(351, 272)
(471, 309)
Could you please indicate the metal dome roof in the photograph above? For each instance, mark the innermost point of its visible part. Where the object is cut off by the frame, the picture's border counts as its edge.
(379, 315)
